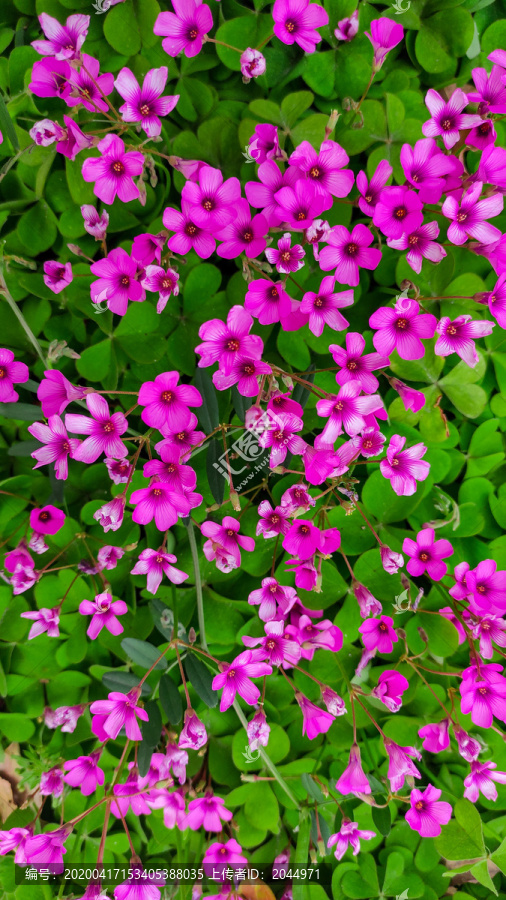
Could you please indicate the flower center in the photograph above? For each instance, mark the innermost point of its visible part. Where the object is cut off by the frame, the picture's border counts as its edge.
(108, 427)
(352, 365)
(247, 235)
(461, 217)
(413, 240)
(339, 406)
(274, 293)
(230, 674)
(124, 280)
(44, 516)
(66, 446)
(171, 468)
(166, 284)
(3, 372)
(304, 529)
(314, 172)
(424, 556)
(190, 229)
(208, 205)
(286, 255)
(144, 110)
(166, 396)
(278, 435)
(446, 124)
(368, 197)
(118, 167)
(484, 128)
(232, 345)
(249, 369)
(401, 212)
(301, 215)
(159, 560)
(452, 329)
(290, 26)
(193, 34)
(401, 324)
(482, 691)
(181, 435)
(271, 645)
(481, 588)
(230, 532)
(351, 249)
(367, 444)
(382, 626)
(319, 302)
(395, 462)
(274, 519)
(157, 492)
(419, 805)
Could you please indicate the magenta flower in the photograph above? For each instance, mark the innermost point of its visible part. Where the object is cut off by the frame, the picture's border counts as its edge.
(490, 630)
(273, 521)
(166, 402)
(62, 41)
(169, 468)
(411, 398)
(57, 275)
(278, 649)
(207, 812)
(65, 717)
(304, 539)
(212, 200)
(252, 63)
(398, 211)
(84, 773)
(457, 336)
(468, 217)
(385, 35)
(281, 436)
(447, 119)
(185, 28)
(44, 621)
(299, 205)
(161, 281)
(15, 839)
(117, 712)
(324, 169)
(244, 373)
(425, 167)
(139, 885)
(379, 634)
(117, 283)
(482, 136)
(261, 193)
(227, 537)
(402, 329)
(193, 733)
(47, 520)
(73, 140)
(95, 223)
(58, 446)
(427, 812)
(258, 731)
(420, 245)
(353, 780)
(370, 190)
(404, 467)
(245, 234)
(183, 440)
(110, 515)
(48, 849)
(426, 554)
(104, 611)
(159, 502)
(490, 90)
(187, 234)
(391, 685)
(104, 430)
(488, 587)
(113, 173)
(400, 764)
(264, 144)
(496, 300)
(286, 258)
(11, 373)
(346, 411)
(88, 87)
(484, 700)
(391, 560)
(220, 856)
(267, 301)
(145, 104)
(367, 602)
(271, 596)
(481, 779)
(236, 678)
(355, 367)
(334, 703)
(349, 251)
(109, 556)
(349, 834)
(295, 22)
(50, 78)
(46, 132)
(225, 343)
(346, 31)
(323, 307)
(315, 721)
(469, 747)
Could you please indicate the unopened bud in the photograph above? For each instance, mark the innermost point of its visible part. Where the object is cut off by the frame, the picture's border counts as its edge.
(192, 635)
(332, 122)
(234, 499)
(423, 634)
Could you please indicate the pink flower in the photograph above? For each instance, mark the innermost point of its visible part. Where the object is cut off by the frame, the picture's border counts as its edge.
(370, 190)
(304, 539)
(469, 747)
(468, 217)
(436, 736)
(323, 307)
(188, 235)
(88, 87)
(346, 411)
(185, 28)
(355, 367)
(62, 41)
(447, 118)
(252, 63)
(411, 398)
(161, 503)
(11, 373)
(212, 200)
(426, 554)
(457, 336)
(490, 629)
(281, 436)
(391, 685)
(353, 780)
(225, 343)
(178, 476)
(50, 78)
(315, 721)
(103, 610)
(273, 521)
(425, 166)
(349, 833)
(391, 560)
(113, 173)
(277, 647)
(490, 90)
(295, 22)
(267, 301)
(73, 140)
(226, 536)
(236, 678)
(65, 717)
(299, 205)
(117, 712)
(400, 764)
(258, 731)
(420, 245)
(48, 849)
(346, 31)
(140, 885)
(110, 515)
(262, 193)
(55, 392)
(117, 283)
(145, 104)
(219, 856)
(398, 211)
(164, 282)
(51, 783)
(207, 812)
(15, 839)
(324, 169)
(104, 431)
(401, 329)
(108, 557)
(166, 402)
(404, 467)
(427, 812)
(286, 259)
(488, 587)
(367, 602)
(482, 136)
(379, 634)
(95, 223)
(244, 373)
(193, 733)
(57, 275)
(482, 778)
(270, 596)
(334, 703)
(47, 519)
(245, 234)
(46, 132)
(316, 232)
(57, 446)
(385, 35)
(349, 251)
(183, 440)
(264, 144)
(497, 301)
(45, 620)
(84, 773)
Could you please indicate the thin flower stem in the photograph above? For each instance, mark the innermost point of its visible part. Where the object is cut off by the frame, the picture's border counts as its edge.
(209, 40)
(265, 41)
(198, 585)
(183, 679)
(373, 720)
(265, 758)
(416, 669)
